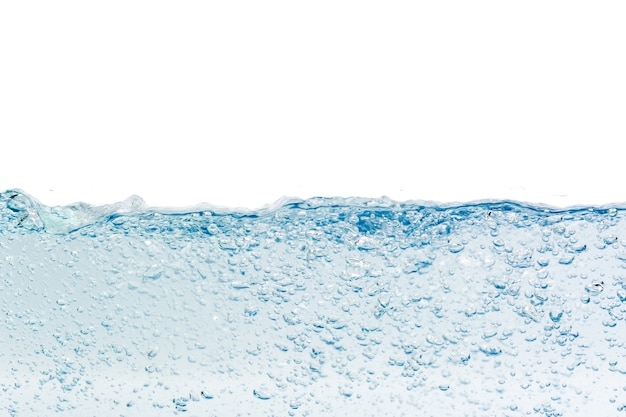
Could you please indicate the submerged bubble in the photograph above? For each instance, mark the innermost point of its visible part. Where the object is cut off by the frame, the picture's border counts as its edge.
(595, 288)
(456, 247)
(490, 350)
(207, 395)
(556, 316)
(520, 258)
(346, 391)
(262, 394)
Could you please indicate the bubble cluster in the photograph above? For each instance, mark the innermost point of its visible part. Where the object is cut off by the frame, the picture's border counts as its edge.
(317, 307)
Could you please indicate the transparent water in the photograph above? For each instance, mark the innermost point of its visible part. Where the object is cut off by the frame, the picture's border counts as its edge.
(309, 308)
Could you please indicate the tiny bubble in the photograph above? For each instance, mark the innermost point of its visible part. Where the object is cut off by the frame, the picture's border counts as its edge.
(206, 395)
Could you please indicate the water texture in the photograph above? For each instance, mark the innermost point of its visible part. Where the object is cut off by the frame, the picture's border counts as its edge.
(309, 308)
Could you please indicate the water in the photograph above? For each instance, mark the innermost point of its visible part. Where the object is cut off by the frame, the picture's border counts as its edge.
(317, 307)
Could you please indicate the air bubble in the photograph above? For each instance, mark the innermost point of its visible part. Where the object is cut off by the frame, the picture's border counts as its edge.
(555, 316)
(490, 350)
(346, 391)
(489, 333)
(520, 258)
(367, 243)
(262, 394)
(456, 247)
(295, 404)
(207, 395)
(460, 357)
(594, 288)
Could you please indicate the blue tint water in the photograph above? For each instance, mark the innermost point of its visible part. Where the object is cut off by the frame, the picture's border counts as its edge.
(317, 307)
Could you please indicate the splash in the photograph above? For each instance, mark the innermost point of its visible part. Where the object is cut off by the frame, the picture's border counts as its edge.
(315, 307)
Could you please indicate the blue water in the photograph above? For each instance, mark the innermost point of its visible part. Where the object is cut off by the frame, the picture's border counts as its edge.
(309, 308)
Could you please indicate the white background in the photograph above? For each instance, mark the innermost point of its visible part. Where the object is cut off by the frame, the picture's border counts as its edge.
(240, 103)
